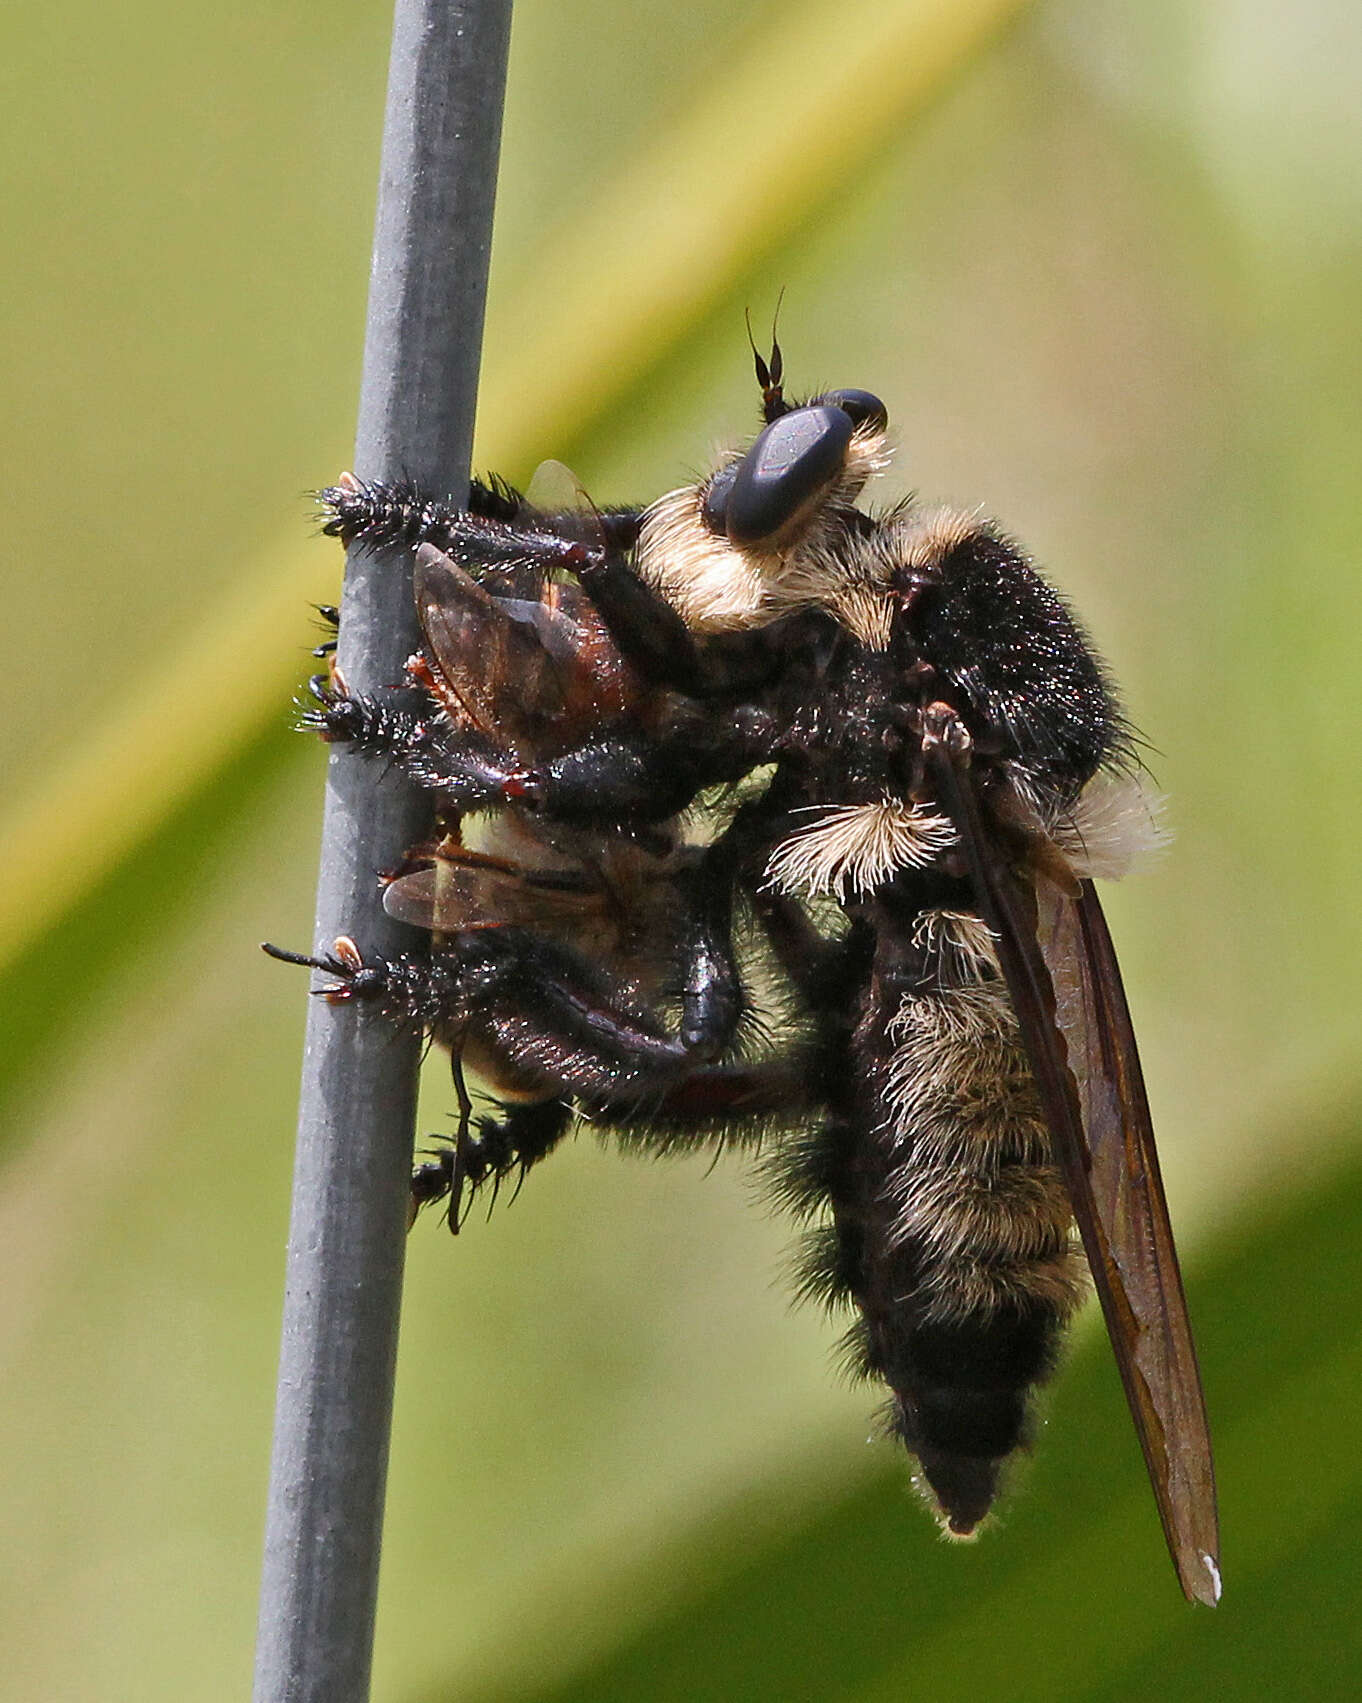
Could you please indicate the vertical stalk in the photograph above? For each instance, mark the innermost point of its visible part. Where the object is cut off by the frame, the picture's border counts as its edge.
(432, 235)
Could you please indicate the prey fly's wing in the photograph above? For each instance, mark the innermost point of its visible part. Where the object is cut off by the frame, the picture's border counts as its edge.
(515, 654)
(595, 680)
(559, 499)
(487, 662)
(463, 889)
(1057, 958)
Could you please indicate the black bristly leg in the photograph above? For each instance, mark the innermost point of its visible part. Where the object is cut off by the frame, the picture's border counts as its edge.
(542, 1005)
(468, 769)
(651, 635)
(496, 1148)
(498, 530)
(567, 1022)
(380, 513)
(628, 775)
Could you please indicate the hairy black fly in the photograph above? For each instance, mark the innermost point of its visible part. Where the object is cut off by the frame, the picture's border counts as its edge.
(948, 768)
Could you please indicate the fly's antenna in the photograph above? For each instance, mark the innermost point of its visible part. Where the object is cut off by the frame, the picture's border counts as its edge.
(769, 374)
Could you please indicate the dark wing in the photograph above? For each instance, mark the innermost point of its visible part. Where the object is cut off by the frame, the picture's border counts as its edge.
(1061, 972)
(1135, 1264)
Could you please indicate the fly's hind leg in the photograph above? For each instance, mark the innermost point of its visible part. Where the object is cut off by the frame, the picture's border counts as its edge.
(489, 1149)
(539, 1005)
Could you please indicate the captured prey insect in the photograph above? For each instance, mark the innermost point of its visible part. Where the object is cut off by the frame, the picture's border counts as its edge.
(524, 664)
(948, 764)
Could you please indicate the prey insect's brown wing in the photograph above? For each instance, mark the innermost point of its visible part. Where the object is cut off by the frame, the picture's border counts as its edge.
(1062, 975)
(520, 657)
(594, 678)
(467, 890)
(488, 662)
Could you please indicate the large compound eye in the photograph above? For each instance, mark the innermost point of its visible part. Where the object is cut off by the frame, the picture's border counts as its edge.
(794, 459)
(864, 408)
(714, 510)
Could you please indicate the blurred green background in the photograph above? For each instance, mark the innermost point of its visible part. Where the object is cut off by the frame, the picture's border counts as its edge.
(1103, 260)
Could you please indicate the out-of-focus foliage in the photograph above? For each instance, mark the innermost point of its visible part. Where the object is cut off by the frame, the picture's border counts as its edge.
(1106, 278)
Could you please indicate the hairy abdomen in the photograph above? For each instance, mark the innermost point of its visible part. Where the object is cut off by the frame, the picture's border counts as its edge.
(952, 1225)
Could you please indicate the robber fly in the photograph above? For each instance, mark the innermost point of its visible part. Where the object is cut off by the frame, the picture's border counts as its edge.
(948, 767)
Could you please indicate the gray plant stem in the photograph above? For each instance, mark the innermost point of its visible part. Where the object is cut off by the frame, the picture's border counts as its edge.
(432, 235)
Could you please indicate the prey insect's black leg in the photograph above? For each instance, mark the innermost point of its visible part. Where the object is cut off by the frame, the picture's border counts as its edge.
(330, 616)
(712, 998)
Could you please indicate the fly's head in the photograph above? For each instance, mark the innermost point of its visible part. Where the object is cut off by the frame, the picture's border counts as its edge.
(769, 529)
